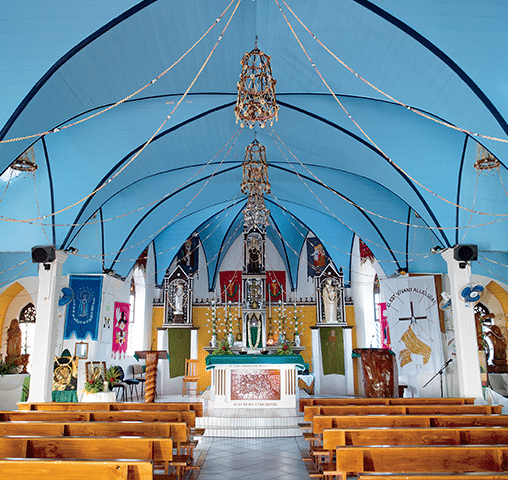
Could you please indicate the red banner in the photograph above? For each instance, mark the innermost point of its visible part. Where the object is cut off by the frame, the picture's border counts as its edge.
(230, 286)
(275, 286)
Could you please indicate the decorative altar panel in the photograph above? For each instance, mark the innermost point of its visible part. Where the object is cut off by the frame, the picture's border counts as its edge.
(377, 372)
(254, 381)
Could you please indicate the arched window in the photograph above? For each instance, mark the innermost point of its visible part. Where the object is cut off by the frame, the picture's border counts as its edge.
(28, 314)
(27, 318)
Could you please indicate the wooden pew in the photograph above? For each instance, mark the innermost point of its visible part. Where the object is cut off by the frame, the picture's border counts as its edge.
(158, 450)
(417, 459)
(114, 406)
(40, 469)
(320, 422)
(414, 436)
(384, 401)
(434, 476)
(311, 411)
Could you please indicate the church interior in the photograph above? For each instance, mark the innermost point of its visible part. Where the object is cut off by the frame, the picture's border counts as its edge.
(253, 205)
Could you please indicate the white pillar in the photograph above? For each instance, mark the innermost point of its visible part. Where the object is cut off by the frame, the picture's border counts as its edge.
(468, 364)
(316, 360)
(41, 379)
(348, 360)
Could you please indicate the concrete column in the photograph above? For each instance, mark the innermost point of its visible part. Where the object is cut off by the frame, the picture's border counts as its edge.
(468, 364)
(41, 379)
(348, 360)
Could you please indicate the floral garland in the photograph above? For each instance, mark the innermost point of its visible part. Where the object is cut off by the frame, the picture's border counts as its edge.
(249, 336)
(213, 321)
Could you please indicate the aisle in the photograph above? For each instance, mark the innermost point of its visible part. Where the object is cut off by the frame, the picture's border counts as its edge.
(247, 458)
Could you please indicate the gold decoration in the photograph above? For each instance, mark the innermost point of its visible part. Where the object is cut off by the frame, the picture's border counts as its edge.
(256, 91)
(415, 345)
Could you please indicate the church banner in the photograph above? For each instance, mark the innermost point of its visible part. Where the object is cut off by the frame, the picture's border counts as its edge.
(332, 350)
(275, 286)
(230, 286)
(120, 329)
(413, 319)
(316, 257)
(83, 310)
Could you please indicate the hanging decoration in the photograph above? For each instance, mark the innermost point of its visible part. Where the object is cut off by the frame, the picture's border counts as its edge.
(25, 162)
(230, 285)
(485, 160)
(275, 282)
(83, 310)
(255, 183)
(256, 91)
(120, 329)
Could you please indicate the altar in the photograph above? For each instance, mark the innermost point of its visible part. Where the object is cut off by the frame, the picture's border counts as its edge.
(254, 381)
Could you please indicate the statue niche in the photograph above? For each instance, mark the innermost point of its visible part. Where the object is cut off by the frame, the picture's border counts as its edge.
(498, 341)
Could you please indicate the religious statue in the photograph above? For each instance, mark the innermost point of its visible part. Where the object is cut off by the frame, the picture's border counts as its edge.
(13, 342)
(330, 296)
(179, 298)
(496, 337)
(254, 260)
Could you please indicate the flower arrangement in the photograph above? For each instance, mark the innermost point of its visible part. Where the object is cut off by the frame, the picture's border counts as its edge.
(112, 375)
(223, 349)
(286, 348)
(95, 383)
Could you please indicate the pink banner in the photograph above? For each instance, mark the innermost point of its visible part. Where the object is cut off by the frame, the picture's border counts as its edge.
(121, 328)
(383, 326)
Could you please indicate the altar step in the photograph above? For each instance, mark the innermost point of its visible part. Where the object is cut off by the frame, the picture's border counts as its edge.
(250, 426)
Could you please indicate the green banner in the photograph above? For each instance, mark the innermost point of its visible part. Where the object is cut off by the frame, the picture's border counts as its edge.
(179, 350)
(332, 350)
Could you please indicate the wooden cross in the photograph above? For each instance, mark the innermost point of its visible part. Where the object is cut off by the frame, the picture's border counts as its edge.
(412, 318)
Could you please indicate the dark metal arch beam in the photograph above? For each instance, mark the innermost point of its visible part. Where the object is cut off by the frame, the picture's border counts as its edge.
(73, 51)
(441, 55)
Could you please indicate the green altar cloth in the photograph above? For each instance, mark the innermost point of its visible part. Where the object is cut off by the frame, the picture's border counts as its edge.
(213, 360)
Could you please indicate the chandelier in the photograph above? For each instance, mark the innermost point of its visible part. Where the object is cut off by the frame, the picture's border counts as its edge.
(25, 162)
(485, 160)
(256, 91)
(255, 170)
(255, 183)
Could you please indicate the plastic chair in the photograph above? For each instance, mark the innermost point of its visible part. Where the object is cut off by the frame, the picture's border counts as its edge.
(191, 376)
(120, 387)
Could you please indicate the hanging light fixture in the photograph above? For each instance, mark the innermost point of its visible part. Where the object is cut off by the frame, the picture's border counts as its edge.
(25, 162)
(255, 183)
(256, 91)
(485, 160)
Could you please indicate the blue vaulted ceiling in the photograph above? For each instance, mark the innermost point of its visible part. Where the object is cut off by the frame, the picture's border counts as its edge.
(357, 164)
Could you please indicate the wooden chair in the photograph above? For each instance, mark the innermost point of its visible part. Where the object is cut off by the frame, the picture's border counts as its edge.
(191, 376)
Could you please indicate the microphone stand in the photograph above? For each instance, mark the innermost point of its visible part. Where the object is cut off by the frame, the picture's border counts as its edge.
(440, 373)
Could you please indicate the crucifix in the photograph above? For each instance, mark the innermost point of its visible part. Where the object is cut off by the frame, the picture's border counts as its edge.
(412, 318)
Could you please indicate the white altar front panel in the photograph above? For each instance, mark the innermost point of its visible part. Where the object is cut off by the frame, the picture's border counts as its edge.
(254, 386)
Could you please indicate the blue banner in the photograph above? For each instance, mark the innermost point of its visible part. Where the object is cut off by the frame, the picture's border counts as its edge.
(83, 310)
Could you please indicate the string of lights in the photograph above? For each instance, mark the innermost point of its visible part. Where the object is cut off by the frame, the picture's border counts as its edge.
(120, 102)
(365, 134)
(149, 141)
(402, 104)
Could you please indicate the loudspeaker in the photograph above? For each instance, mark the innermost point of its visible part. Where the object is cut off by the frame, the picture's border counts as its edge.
(465, 253)
(43, 254)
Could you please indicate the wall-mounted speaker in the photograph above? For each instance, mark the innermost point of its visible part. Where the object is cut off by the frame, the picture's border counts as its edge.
(465, 253)
(43, 254)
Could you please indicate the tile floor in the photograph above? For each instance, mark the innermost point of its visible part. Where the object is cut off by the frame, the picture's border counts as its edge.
(252, 458)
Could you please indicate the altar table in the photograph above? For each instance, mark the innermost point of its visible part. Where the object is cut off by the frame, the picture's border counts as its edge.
(254, 381)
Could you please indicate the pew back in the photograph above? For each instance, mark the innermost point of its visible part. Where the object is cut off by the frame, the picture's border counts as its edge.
(383, 401)
(40, 469)
(402, 459)
(320, 422)
(311, 411)
(415, 436)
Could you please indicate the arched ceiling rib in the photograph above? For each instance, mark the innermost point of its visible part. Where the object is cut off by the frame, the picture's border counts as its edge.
(425, 54)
